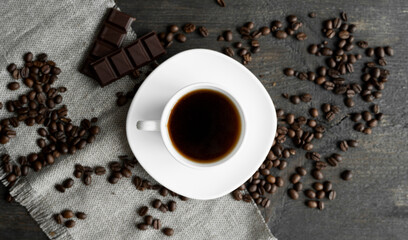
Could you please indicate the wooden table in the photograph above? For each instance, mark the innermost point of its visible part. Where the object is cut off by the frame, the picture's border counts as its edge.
(374, 205)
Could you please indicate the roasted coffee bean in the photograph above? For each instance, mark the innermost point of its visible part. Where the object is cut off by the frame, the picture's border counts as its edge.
(126, 172)
(24, 72)
(352, 143)
(156, 224)
(356, 117)
(237, 195)
(379, 52)
(280, 34)
(142, 226)
(301, 36)
(314, 112)
(15, 74)
(68, 183)
(295, 178)
(60, 188)
(310, 193)
(295, 99)
(81, 215)
(359, 127)
(301, 171)
(298, 186)
(148, 220)
(172, 205)
(100, 170)
(331, 195)
(313, 49)
(181, 38)
(189, 28)
(318, 186)
(271, 179)
(70, 223)
(320, 194)
(317, 174)
(311, 203)
(367, 116)
(156, 203)
(346, 175)
(164, 192)
(306, 97)
(279, 182)
(58, 218)
(163, 208)
(369, 52)
(367, 131)
(168, 231)
(173, 28)
(265, 31)
(389, 51)
(289, 71)
(13, 86)
(293, 194)
(221, 3)
(327, 186)
(143, 211)
(203, 31)
(229, 52)
(227, 36)
(87, 180)
(343, 146)
(67, 214)
(11, 67)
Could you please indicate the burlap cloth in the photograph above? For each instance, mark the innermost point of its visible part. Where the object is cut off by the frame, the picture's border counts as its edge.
(64, 30)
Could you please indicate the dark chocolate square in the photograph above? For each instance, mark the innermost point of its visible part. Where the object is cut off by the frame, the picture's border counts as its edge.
(138, 54)
(112, 35)
(104, 72)
(121, 62)
(120, 19)
(153, 44)
(101, 49)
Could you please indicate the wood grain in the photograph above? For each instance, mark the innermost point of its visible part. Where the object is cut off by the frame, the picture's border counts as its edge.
(374, 204)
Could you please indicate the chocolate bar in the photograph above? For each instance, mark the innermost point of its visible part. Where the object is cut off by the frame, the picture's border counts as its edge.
(127, 59)
(110, 38)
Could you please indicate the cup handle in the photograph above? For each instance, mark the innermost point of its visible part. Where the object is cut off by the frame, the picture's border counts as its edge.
(149, 125)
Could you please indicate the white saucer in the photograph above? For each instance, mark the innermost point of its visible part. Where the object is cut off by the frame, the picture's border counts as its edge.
(185, 68)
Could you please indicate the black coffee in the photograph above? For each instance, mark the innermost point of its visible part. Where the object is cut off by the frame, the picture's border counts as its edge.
(204, 126)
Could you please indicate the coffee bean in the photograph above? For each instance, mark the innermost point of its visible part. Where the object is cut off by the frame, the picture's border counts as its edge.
(11, 67)
(318, 186)
(168, 231)
(298, 186)
(143, 211)
(172, 205)
(343, 146)
(68, 183)
(203, 31)
(295, 178)
(156, 224)
(320, 205)
(237, 195)
(221, 3)
(81, 215)
(389, 51)
(320, 194)
(281, 34)
(379, 52)
(164, 192)
(60, 188)
(58, 218)
(317, 174)
(367, 131)
(70, 223)
(327, 186)
(369, 52)
(173, 28)
(331, 195)
(271, 179)
(189, 28)
(67, 214)
(295, 99)
(28, 57)
(229, 52)
(310, 193)
(265, 30)
(314, 112)
(301, 36)
(227, 36)
(181, 37)
(156, 203)
(352, 143)
(311, 203)
(346, 175)
(142, 226)
(13, 86)
(349, 102)
(306, 97)
(293, 194)
(289, 71)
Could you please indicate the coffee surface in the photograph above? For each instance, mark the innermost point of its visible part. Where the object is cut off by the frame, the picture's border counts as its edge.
(204, 126)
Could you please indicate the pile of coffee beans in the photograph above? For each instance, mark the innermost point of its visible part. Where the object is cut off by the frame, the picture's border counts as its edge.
(59, 136)
(332, 77)
(173, 33)
(69, 214)
(155, 222)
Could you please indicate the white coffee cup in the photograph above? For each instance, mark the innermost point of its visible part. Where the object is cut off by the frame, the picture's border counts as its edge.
(161, 125)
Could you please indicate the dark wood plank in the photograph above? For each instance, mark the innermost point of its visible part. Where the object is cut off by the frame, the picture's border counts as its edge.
(374, 204)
